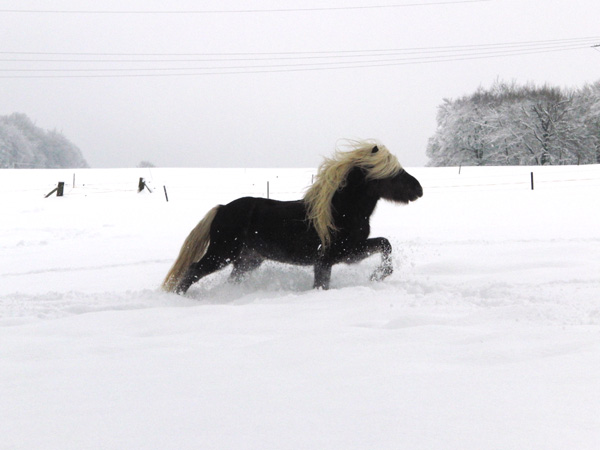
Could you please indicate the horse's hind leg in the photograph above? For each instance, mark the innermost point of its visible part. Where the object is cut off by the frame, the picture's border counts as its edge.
(198, 270)
(244, 265)
(215, 259)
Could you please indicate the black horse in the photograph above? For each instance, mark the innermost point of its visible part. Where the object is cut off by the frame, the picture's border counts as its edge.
(329, 225)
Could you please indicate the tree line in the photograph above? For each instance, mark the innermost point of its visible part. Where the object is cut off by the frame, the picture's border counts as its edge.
(24, 145)
(511, 124)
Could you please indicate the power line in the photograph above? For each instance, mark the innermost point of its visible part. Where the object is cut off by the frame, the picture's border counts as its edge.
(244, 11)
(302, 67)
(265, 62)
(258, 56)
(316, 61)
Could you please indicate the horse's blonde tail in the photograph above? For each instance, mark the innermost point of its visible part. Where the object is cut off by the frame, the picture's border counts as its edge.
(193, 248)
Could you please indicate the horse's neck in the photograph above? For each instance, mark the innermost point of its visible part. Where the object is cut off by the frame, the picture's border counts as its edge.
(353, 202)
(352, 205)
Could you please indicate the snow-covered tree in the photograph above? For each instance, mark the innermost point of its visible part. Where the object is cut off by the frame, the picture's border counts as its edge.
(24, 145)
(518, 125)
(587, 106)
(460, 138)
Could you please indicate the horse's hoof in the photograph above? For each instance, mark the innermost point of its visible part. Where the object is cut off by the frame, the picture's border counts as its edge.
(381, 273)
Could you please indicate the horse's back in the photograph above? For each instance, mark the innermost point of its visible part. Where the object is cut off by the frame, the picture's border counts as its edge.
(246, 210)
(235, 213)
(275, 229)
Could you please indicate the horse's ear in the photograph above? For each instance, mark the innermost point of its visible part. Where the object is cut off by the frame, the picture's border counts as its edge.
(375, 149)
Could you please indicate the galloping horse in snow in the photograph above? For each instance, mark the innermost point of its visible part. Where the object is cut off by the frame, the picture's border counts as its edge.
(329, 225)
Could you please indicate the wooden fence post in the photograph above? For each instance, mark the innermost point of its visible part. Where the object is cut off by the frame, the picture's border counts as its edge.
(142, 184)
(59, 189)
(532, 181)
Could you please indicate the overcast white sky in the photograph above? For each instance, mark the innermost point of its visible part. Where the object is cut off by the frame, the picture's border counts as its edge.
(277, 117)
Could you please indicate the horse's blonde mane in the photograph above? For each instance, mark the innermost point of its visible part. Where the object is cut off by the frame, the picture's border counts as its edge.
(332, 174)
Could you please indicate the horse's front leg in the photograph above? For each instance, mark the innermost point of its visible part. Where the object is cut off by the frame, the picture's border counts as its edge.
(386, 267)
(370, 247)
(322, 274)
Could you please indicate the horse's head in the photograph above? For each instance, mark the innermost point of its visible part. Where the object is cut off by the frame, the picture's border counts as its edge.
(392, 182)
(402, 188)
(367, 168)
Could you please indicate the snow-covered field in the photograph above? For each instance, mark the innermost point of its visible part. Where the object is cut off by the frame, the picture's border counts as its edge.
(487, 336)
